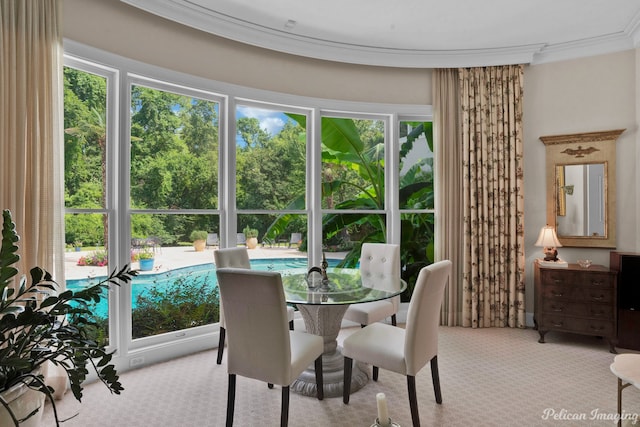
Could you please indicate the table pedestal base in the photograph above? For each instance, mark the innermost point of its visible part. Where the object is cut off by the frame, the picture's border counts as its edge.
(332, 376)
(325, 321)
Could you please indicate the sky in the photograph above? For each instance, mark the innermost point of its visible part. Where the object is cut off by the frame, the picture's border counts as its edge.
(270, 120)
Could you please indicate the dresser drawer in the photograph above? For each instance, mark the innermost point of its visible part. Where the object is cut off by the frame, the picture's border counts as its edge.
(604, 296)
(578, 325)
(595, 280)
(560, 277)
(557, 292)
(560, 308)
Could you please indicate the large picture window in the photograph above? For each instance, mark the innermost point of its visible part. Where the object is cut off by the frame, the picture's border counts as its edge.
(160, 172)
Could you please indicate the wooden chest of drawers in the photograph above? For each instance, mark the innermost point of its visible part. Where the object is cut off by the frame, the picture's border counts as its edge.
(576, 299)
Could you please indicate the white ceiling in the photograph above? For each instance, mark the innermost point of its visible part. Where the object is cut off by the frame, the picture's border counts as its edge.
(417, 33)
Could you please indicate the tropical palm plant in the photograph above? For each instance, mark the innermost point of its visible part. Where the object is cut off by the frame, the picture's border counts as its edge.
(354, 180)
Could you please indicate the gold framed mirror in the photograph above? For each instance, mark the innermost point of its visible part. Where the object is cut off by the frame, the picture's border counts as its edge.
(581, 187)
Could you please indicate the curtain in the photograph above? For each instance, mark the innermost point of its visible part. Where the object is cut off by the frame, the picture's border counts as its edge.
(31, 110)
(448, 171)
(493, 212)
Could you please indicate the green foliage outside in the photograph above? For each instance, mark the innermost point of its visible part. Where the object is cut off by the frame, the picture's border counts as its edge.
(186, 302)
(198, 235)
(174, 166)
(353, 167)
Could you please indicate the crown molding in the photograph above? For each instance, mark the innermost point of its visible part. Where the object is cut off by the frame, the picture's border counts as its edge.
(187, 13)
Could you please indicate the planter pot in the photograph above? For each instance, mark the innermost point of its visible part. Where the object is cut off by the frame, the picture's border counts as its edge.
(22, 400)
(78, 248)
(199, 245)
(146, 264)
(252, 242)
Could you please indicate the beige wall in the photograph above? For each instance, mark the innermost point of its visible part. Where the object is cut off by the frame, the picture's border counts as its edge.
(591, 94)
(583, 95)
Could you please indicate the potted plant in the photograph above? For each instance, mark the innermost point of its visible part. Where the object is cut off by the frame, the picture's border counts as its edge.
(78, 245)
(199, 239)
(41, 328)
(252, 237)
(146, 259)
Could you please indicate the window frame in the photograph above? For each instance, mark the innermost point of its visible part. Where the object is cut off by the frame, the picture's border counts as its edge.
(124, 71)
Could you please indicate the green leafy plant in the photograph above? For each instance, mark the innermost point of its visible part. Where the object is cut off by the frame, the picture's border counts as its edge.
(98, 258)
(250, 232)
(146, 253)
(39, 324)
(186, 302)
(198, 235)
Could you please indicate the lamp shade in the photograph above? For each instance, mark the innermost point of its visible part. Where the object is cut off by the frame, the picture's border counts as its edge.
(547, 238)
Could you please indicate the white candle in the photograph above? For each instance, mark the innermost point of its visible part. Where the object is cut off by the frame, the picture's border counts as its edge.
(383, 413)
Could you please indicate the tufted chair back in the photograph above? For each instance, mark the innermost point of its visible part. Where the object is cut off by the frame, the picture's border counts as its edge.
(380, 265)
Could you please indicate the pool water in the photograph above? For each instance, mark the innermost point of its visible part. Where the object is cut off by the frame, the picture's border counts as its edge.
(201, 273)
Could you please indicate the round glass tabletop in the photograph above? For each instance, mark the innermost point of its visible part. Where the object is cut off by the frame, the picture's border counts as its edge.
(344, 286)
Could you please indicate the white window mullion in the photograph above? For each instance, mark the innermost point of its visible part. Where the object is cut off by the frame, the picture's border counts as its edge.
(392, 179)
(227, 175)
(314, 187)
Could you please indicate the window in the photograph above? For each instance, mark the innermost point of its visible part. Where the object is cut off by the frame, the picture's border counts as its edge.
(270, 178)
(163, 160)
(173, 184)
(87, 208)
(353, 184)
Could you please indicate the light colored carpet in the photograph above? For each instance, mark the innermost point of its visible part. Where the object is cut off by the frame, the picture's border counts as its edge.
(489, 377)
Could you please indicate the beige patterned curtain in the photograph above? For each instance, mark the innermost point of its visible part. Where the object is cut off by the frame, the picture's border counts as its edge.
(31, 152)
(493, 241)
(448, 171)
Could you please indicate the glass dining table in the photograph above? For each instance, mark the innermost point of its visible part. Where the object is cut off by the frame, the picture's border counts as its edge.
(322, 304)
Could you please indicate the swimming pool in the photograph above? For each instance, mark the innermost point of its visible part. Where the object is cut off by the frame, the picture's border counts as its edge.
(201, 273)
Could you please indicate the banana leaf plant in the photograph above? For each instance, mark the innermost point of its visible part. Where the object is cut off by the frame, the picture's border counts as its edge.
(343, 148)
(40, 323)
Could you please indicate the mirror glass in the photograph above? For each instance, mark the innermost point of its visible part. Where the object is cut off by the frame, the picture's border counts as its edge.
(581, 200)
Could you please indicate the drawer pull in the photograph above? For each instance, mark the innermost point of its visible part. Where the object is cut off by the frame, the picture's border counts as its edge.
(597, 329)
(557, 294)
(600, 298)
(558, 325)
(597, 282)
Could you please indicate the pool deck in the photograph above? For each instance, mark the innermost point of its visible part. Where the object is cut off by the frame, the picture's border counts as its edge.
(169, 258)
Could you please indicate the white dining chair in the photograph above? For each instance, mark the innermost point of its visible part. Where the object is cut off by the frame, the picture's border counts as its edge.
(379, 268)
(404, 351)
(259, 344)
(236, 258)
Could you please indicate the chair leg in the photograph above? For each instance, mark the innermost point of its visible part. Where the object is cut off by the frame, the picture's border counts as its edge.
(394, 320)
(231, 397)
(223, 333)
(413, 400)
(375, 373)
(291, 325)
(346, 390)
(284, 413)
(435, 376)
(319, 378)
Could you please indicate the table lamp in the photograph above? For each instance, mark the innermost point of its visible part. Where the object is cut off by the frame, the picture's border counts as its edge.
(548, 240)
